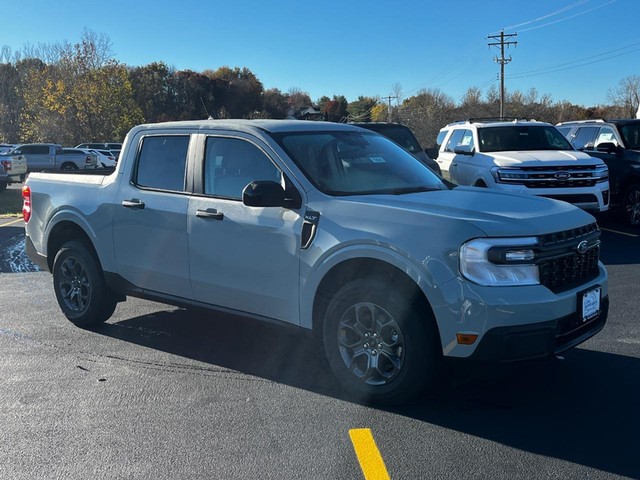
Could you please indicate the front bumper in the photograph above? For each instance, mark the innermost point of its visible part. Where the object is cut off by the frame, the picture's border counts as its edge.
(527, 342)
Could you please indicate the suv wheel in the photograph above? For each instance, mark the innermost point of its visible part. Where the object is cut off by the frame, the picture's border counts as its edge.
(79, 286)
(380, 346)
(631, 205)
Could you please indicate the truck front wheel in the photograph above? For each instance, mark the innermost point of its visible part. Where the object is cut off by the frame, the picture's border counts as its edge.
(631, 205)
(380, 341)
(79, 285)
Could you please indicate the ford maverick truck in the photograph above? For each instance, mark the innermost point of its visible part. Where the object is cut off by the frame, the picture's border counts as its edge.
(329, 228)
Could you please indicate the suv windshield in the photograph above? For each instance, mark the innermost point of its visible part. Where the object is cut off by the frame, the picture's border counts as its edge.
(631, 136)
(346, 163)
(521, 137)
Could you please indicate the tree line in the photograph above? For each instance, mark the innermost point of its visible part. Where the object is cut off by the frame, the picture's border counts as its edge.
(72, 93)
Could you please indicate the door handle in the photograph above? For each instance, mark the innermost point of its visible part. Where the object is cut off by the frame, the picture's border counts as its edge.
(210, 213)
(133, 203)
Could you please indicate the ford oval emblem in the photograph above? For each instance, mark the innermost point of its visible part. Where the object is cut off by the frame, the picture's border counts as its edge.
(563, 175)
(583, 246)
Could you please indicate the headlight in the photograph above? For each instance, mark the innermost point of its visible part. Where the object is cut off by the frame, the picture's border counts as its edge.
(601, 173)
(500, 261)
(509, 175)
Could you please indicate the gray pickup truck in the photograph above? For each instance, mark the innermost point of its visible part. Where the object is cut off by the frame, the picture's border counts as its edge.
(329, 228)
(50, 156)
(13, 169)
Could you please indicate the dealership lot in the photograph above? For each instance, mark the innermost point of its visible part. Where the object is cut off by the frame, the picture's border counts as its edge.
(161, 392)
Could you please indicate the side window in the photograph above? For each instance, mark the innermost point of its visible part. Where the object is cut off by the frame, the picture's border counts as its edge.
(584, 137)
(441, 136)
(606, 135)
(467, 139)
(231, 164)
(454, 140)
(161, 163)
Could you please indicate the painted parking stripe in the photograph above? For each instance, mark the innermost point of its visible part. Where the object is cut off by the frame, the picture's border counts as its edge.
(368, 454)
(620, 233)
(11, 223)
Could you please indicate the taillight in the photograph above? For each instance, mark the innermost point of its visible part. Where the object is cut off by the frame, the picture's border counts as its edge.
(26, 203)
(6, 164)
(88, 160)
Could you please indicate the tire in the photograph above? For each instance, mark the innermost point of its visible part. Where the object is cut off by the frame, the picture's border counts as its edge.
(79, 286)
(69, 166)
(3, 186)
(631, 205)
(405, 359)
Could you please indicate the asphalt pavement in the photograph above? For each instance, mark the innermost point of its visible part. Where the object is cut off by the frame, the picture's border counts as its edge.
(166, 393)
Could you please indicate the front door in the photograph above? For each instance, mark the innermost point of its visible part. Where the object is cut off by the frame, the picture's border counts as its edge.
(242, 258)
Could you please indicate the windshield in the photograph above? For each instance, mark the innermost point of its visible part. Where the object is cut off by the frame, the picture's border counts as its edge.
(346, 163)
(511, 138)
(631, 136)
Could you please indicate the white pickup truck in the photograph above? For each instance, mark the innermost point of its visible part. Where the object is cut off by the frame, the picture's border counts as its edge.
(329, 228)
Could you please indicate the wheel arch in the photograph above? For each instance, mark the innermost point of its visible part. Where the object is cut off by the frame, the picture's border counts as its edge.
(627, 181)
(65, 231)
(352, 269)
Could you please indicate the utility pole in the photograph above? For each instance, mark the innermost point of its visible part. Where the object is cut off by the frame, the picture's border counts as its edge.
(505, 39)
(389, 98)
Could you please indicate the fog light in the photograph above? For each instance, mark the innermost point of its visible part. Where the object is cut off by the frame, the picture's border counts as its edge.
(466, 338)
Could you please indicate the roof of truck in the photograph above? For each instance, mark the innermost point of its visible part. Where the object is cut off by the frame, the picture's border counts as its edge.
(273, 126)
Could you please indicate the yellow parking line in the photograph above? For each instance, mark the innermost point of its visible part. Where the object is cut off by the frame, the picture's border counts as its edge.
(368, 454)
(620, 233)
(11, 223)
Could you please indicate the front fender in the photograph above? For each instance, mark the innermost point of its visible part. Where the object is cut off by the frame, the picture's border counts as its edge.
(426, 273)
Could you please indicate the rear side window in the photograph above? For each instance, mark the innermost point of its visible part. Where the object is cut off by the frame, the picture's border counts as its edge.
(162, 163)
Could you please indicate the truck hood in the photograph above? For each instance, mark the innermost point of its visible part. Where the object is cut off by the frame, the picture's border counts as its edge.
(495, 213)
(550, 158)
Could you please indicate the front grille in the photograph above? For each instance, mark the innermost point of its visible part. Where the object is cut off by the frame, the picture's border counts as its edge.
(561, 266)
(551, 177)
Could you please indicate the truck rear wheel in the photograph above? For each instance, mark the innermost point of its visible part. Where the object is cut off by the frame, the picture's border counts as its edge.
(79, 285)
(68, 166)
(382, 347)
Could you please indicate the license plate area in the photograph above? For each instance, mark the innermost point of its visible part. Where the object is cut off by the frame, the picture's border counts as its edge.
(589, 304)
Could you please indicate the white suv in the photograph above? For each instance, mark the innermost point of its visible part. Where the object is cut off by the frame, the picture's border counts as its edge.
(522, 156)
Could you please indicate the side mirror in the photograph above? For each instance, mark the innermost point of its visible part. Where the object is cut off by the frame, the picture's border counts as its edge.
(264, 193)
(608, 147)
(464, 150)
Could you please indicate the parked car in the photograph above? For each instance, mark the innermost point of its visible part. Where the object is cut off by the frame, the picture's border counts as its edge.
(523, 156)
(115, 148)
(13, 169)
(403, 136)
(49, 156)
(104, 158)
(617, 143)
(329, 228)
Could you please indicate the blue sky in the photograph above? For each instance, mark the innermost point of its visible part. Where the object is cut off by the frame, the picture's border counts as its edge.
(575, 50)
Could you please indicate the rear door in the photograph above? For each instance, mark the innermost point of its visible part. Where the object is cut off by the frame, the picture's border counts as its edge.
(150, 217)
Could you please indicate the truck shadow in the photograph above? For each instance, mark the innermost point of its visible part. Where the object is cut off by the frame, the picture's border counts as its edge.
(582, 409)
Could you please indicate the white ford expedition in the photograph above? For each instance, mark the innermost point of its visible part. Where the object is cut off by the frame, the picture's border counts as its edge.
(524, 157)
(323, 227)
